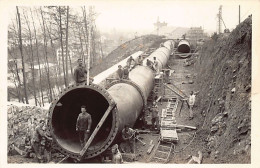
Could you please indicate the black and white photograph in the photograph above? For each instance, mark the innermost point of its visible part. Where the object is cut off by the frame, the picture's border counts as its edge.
(130, 82)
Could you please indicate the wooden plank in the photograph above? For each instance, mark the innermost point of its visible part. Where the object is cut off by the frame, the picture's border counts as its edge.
(63, 159)
(174, 91)
(150, 149)
(186, 126)
(83, 151)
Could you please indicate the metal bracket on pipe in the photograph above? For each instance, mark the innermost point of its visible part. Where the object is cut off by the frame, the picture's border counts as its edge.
(109, 109)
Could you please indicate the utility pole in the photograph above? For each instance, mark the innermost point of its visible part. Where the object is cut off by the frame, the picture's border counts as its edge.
(159, 24)
(219, 19)
(239, 14)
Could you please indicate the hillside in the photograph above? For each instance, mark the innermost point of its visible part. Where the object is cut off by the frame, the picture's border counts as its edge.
(142, 43)
(224, 104)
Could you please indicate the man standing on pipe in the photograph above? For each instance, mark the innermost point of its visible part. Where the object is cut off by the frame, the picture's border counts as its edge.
(119, 72)
(83, 126)
(126, 72)
(80, 73)
(155, 65)
(130, 61)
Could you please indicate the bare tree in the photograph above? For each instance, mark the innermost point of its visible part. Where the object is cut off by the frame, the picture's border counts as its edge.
(21, 50)
(32, 57)
(46, 55)
(38, 58)
(67, 41)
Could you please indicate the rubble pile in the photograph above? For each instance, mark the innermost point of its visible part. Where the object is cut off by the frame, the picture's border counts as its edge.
(224, 103)
(22, 121)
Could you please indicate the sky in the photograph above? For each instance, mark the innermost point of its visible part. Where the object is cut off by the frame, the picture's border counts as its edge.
(140, 15)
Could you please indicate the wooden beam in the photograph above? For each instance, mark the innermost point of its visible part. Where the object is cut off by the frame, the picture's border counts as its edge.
(83, 151)
(186, 126)
(182, 96)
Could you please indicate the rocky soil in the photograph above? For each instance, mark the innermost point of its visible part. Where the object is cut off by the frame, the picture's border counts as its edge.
(223, 112)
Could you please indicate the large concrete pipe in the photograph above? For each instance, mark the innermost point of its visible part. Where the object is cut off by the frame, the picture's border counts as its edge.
(183, 46)
(130, 97)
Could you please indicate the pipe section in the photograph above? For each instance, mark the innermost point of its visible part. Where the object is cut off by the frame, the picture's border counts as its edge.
(130, 97)
(183, 46)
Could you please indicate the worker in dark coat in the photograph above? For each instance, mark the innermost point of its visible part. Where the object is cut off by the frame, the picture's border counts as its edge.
(149, 63)
(119, 72)
(155, 118)
(139, 60)
(128, 135)
(130, 61)
(83, 126)
(126, 72)
(38, 141)
(80, 73)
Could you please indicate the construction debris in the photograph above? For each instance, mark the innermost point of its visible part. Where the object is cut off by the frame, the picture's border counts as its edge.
(196, 159)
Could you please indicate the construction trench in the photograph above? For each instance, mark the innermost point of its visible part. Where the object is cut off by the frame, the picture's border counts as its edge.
(219, 70)
(142, 88)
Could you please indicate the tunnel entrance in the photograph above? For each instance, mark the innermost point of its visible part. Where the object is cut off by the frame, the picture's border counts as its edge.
(65, 115)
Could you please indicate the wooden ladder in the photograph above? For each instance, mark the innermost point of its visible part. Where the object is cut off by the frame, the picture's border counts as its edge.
(162, 152)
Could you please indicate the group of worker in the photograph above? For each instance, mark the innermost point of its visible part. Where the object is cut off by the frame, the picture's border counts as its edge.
(123, 73)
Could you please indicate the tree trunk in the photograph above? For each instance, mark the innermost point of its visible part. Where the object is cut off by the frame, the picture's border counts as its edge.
(67, 41)
(18, 79)
(46, 56)
(21, 50)
(57, 74)
(86, 32)
(62, 51)
(38, 59)
(32, 58)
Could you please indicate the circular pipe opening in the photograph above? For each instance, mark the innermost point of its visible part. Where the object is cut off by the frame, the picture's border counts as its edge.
(184, 48)
(65, 114)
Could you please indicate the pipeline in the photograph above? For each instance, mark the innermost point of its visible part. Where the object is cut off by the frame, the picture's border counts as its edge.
(130, 97)
(183, 46)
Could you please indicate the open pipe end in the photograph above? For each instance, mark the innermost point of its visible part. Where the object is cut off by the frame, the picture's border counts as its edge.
(184, 48)
(63, 115)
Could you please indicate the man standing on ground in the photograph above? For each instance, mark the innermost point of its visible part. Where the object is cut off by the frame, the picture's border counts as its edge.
(117, 156)
(155, 116)
(128, 136)
(191, 104)
(83, 126)
(39, 136)
(80, 73)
